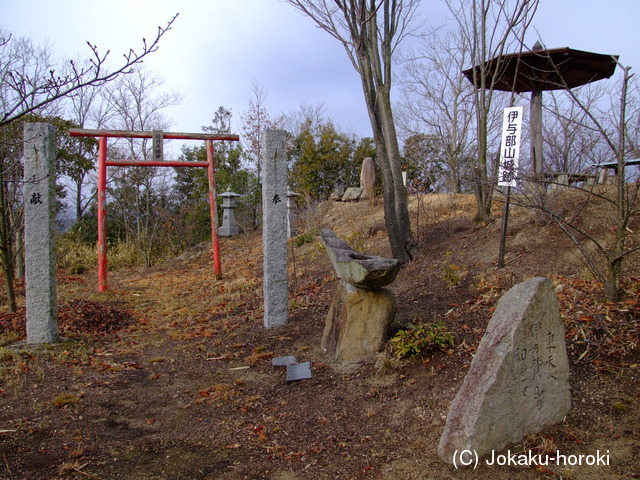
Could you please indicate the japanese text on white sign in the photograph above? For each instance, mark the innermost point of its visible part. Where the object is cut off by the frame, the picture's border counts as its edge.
(510, 146)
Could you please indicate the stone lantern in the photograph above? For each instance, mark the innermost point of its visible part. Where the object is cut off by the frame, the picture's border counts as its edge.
(229, 226)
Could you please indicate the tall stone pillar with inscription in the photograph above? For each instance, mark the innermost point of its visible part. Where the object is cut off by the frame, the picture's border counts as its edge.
(39, 221)
(274, 230)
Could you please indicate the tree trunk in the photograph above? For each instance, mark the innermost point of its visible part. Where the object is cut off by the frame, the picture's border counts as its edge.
(612, 283)
(6, 246)
(400, 191)
(19, 252)
(8, 275)
(79, 208)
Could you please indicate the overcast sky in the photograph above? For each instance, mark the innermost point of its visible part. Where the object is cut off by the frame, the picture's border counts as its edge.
(218, 48)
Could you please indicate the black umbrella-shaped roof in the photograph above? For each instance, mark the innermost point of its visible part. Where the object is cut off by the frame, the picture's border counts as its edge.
(549, 69)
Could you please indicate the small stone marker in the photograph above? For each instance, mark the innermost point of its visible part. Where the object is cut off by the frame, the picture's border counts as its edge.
(518, 383)
(39, 221)
(274, 231)
(298, 371)
(283, 361)
(368, 178)
(338, 190)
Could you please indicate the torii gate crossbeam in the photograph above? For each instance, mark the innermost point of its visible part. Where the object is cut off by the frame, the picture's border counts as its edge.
(157, 136)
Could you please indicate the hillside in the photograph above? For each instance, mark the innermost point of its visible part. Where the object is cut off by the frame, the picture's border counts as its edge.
(168, 375)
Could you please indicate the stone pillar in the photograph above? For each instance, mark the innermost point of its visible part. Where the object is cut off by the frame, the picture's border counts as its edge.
(274, 229)
(39, 221)
(368, 178)
(229, 226)
(291, 213)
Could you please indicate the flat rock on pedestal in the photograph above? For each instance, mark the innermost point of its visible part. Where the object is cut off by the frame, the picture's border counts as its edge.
(362, 271)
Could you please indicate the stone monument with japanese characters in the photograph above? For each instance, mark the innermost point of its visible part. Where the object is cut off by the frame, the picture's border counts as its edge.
(518, 383)
(274, 229)
(39, 222)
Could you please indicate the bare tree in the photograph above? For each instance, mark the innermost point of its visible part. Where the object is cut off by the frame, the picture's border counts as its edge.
(437, 100)
(370, 31)
(140, 192)
(605, 252)
(306, 117)
(569, 145)
(32, 85)
(254, 122)
(490, 29)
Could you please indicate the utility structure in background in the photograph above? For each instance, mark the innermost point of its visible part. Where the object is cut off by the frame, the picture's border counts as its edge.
(157, 137)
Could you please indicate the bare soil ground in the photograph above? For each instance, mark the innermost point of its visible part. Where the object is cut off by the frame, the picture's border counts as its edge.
(168, 375)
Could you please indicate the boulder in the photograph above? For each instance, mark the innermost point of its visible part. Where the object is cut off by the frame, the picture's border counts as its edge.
(358, 322)
(518, 383)
(352, 194)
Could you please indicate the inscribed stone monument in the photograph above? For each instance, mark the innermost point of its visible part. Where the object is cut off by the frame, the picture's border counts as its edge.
(518, 381)
(274, 231)
(39, 221)
(368, 178)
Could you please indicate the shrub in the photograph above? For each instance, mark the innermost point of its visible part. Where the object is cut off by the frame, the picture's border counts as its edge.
(307, 237)
(421, 339)
(452, 274)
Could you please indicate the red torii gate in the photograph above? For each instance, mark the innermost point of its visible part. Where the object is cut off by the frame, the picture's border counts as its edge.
(157, 137)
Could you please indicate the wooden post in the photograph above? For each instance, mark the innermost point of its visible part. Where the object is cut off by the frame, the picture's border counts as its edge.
(536, 134)
(535, 119)
(215, 241)
(102, 214)
(503, 236)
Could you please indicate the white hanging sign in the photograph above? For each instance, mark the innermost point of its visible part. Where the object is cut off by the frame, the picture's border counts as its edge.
(510, 146)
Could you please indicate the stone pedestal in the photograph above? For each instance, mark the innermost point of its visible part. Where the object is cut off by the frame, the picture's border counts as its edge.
(358, 322)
